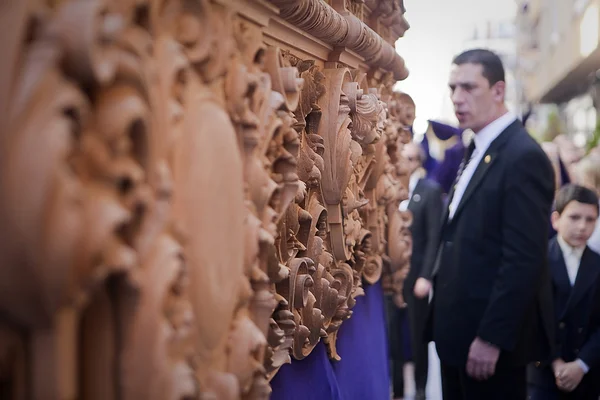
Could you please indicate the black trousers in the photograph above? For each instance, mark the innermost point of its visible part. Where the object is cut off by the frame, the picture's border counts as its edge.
(395, 317)
(505, 384)
(417, 316)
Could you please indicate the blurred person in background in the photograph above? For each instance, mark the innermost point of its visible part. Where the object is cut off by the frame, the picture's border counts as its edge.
(561, 175)
(569, 153)
(445, 171)
(551, 150)
(397, 314)
(426, 205)
(587, 172)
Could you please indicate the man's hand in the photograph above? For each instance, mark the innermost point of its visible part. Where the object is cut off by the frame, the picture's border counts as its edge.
(399, 300)
(557, 366)
(483, 357)
(422, 288)
(568, 376)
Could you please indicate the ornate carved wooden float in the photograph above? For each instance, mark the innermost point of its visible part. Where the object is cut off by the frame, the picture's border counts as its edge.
(193, 191)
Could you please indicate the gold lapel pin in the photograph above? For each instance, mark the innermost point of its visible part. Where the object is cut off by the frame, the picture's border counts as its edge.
(487, 159)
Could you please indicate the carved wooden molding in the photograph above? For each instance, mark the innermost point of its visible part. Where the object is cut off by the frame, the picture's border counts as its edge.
(391, 13)
(186, 209)
(343, 29)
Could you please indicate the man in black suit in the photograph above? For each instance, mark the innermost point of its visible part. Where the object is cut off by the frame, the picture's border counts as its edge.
(573, 371)
(426, 205)
(492, 256)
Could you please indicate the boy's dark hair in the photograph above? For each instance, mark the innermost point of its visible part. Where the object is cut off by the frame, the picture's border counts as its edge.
(493, 70)
(572, 192)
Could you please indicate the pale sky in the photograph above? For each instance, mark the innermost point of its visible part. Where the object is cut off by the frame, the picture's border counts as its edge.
(438, 31)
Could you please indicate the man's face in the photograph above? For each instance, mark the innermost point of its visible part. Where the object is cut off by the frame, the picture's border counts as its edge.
(576, 223)
(409, 114)
(476, 103)
(410, 152)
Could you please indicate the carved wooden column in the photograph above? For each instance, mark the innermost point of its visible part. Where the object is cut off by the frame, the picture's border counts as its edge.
(193, 191)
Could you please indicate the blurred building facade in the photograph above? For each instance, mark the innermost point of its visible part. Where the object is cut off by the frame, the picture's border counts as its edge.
(559, 59)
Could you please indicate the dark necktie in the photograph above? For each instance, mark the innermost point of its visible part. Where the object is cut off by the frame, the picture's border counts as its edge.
(463, 165)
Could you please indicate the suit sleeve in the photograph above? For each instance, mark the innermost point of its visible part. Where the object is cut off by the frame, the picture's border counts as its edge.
(435, 207)
(590, 351)
(528, 195)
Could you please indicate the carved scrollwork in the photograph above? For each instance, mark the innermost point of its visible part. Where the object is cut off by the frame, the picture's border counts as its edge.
(334, 129)
(286, 79)
(367, 119)
(344, 283)
(204, 205)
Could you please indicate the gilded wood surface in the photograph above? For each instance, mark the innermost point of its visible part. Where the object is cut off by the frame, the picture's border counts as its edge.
(185, 209)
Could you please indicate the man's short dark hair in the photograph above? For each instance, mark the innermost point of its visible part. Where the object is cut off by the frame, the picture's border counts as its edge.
(572, 192)
(493, 70)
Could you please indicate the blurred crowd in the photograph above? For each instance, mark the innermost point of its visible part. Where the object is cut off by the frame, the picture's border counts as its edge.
(572, 165)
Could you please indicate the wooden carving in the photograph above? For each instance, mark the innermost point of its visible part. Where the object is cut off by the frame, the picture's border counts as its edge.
(396, 176)
(186, 206)
(339, 27)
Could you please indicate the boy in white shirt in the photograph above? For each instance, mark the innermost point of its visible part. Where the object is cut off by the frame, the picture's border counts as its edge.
(572, 371)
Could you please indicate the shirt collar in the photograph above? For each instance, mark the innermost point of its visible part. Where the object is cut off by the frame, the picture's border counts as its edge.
(486, 136)
(567, 249)
(413, 180)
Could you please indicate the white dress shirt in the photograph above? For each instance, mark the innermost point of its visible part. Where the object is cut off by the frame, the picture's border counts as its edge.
(483, 139)
(412, 182)
(572, 257)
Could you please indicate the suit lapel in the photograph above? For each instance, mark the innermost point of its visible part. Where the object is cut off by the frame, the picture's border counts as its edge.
(416, 196)
(486, 162)
(558, 268)
(586, 277)
(446, 212)
(488, 159)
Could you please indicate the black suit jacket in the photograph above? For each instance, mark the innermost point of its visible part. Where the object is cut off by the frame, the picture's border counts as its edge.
(426, 206)
(577, 312)
(491, 272)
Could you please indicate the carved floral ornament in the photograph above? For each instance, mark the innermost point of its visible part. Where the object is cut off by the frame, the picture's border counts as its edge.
(184, 209)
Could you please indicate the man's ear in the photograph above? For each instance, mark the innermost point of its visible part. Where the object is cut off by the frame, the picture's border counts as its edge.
(499, 90)
(554, 218)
